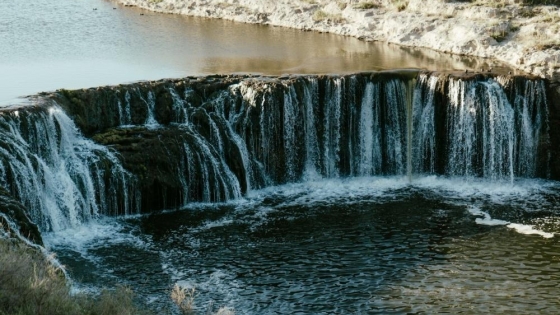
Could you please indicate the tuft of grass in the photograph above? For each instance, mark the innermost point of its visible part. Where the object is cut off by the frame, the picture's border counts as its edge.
(366, 6)
(400, 5)
(184, 299)
(321, 15)
(527, 13)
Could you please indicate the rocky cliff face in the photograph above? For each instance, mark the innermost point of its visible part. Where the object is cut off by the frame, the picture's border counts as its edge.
(525, 37)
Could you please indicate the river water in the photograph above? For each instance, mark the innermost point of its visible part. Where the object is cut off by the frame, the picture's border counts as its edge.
(378, 245)
(47, 45)
(365, 245)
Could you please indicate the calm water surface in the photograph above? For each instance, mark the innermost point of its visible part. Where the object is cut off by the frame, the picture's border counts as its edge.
(46, 45)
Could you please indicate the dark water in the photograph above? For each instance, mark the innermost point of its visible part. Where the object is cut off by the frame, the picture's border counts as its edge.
(361, 246)
(47, 45)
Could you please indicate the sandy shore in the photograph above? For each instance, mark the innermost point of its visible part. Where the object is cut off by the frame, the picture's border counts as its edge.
(524, 37)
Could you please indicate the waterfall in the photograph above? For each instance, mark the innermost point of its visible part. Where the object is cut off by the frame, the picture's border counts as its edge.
(531, 112)
(310, 103)
(395, 127)
(290, 120)
(480, 130)
(218, 138)
(62, 178)
(483, 132)
(370, 155)
(423, 141)
(331, 122)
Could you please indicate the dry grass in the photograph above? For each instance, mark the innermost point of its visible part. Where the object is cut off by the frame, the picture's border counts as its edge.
(366, 6)
(320, 16)
(184, 299)
(31, 285)
(400, 5)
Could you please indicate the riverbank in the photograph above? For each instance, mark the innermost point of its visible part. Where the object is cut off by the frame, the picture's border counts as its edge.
(524, 37)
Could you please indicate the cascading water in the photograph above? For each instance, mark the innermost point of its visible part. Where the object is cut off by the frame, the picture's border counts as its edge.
(484, 134)
(252, 133)
(424, 127)
(310, 103)
(62, 178)
(370, 132)
(531, 119)
(331, 123)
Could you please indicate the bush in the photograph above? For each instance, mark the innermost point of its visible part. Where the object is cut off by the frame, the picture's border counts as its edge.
(31, 285)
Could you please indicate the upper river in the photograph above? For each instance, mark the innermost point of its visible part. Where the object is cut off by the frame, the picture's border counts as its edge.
(47, 45)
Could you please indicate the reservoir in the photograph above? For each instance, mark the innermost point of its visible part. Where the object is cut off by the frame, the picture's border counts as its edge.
(46, 45)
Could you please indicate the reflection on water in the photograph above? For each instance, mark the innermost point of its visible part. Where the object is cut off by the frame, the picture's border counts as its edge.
(358, 246)
(47, 45)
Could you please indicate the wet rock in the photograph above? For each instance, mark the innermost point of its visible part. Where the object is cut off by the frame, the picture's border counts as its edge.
(554, 126)
(17, 213)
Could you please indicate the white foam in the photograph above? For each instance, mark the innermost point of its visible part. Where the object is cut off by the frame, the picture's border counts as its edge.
(519, 228)
(462, 187)
(207, 225)
(529, 229)
(486, 219)
(332, 189)
(496, 191)
(105, 231)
